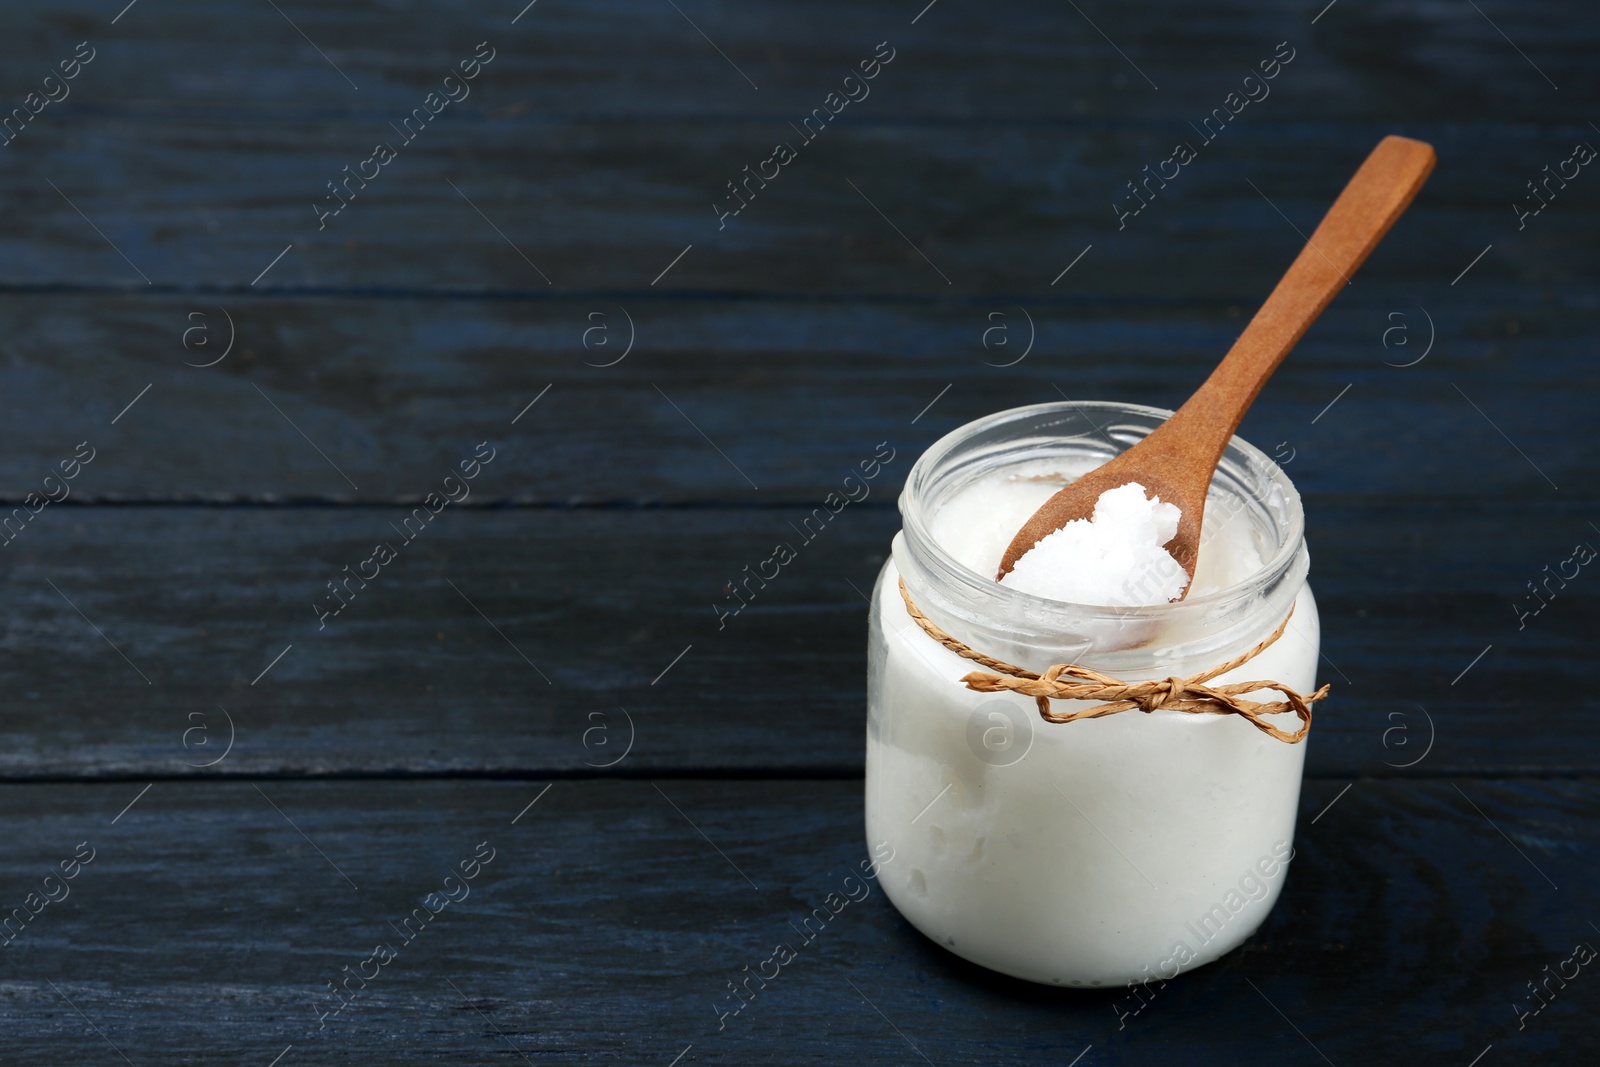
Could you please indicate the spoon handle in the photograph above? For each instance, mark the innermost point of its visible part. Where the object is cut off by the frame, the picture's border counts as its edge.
(1375, 197)
(1175, 462)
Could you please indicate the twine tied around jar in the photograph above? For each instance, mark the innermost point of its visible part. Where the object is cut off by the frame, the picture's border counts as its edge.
(1190, 694)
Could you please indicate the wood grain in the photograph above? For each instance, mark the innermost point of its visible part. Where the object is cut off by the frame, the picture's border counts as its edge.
(611, 205)
(411, 679)
(1034, 63)
(792, 392)
(606, 928)
(796, 338)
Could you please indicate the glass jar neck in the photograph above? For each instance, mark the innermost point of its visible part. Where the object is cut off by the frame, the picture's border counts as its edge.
(1130, 642)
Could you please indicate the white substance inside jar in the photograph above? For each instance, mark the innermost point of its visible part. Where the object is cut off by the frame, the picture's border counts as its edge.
(1116, 557)
(979, 520)
(1096, 852)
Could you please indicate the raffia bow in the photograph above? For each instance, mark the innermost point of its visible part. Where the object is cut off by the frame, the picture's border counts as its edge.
(1190, 694)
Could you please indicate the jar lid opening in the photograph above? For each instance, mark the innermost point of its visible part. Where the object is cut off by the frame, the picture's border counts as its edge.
(1247, 482)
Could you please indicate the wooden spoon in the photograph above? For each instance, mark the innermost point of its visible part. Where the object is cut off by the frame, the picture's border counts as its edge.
(1176, 461)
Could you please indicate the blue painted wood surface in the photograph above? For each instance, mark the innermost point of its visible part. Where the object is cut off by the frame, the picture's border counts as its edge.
(264, 791)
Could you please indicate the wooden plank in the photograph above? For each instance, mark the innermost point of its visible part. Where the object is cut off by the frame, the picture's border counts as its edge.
(606, 927)
(587, 618)
(605, 179)
(1030, 60)
(358, 399)
(608, 208)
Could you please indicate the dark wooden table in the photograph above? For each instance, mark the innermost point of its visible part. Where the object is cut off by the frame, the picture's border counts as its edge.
(539, 275)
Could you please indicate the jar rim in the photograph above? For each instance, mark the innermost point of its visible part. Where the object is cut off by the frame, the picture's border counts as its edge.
(1242, 462)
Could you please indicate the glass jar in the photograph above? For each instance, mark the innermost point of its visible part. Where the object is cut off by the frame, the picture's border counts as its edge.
(1107, 850)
